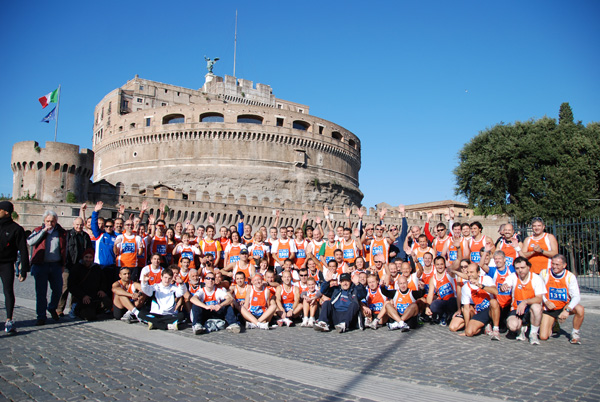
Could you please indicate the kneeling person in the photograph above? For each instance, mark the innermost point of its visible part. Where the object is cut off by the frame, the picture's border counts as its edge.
(562, 299)
(478, 304)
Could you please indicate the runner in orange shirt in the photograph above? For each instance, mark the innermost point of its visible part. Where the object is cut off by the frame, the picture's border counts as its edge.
(540, 247)
(528, 290)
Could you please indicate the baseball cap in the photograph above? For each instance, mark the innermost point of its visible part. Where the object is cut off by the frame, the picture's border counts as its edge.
(345, 277)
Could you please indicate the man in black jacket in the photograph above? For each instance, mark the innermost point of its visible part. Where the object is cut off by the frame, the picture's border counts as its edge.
(12, 241)
(77, 242)
(343, 307)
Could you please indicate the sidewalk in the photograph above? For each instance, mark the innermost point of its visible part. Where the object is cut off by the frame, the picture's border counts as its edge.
(293, 363)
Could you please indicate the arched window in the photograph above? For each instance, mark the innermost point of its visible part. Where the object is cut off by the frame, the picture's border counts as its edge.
(300, 125)
(352, 143)
(173, 119)
(211, 117)
(249, 118)
(336, 135)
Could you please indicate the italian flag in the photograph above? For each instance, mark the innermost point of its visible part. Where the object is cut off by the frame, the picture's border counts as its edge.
(52, 97)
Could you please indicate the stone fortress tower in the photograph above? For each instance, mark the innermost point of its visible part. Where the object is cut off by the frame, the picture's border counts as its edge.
(229, 139)
(50, 174)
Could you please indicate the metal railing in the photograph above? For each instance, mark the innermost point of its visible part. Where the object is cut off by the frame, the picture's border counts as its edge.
(578, 240)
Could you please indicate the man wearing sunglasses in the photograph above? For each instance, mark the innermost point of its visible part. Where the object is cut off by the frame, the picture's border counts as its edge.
(211, 302)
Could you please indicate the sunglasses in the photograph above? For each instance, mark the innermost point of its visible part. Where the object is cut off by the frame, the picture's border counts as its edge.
(209, 278)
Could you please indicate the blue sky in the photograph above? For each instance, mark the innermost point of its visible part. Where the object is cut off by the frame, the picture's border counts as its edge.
(413, 80)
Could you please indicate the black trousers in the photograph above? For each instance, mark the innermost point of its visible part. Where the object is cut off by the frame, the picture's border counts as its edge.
(7, 273)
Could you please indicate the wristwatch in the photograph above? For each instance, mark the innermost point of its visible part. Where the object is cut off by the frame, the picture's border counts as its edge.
(568, 309)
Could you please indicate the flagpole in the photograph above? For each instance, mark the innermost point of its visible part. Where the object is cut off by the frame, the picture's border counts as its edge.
(56, 120)
(235, 43)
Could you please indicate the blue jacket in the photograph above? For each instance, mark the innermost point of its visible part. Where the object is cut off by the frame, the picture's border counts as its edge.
(105, 254)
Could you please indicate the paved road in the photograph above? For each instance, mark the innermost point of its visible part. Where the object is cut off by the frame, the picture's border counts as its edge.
(111, 360)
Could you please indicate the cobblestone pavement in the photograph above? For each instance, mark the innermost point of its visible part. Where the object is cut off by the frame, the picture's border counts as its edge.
(59, 361)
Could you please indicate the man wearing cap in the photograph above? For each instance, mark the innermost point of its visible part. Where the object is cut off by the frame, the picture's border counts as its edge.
(48, 259)
(343, 307)
(12, 241)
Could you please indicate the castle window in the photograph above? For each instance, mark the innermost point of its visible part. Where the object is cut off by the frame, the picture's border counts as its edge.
(211, 117)
(248, 118)
(300, 110)
(148, 121)
(139, 100)
(279, 122)
(173, 119)
(352, 143)
(141, 87)
(163, 104)
(300, 125)
(336, 135)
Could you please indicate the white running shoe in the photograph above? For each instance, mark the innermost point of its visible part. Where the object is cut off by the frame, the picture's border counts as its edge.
(521, 336)
(311, 322)
(287, 322)
(304, 322)
(393, 325)
(533, 339)
(250, 325)
(198, 329)
(263, 325)
(127, 316)
(173, 327)
(341, 327)
(373, 324)
(403, 326)
(321, 326)
(488, 330)
(233, 328)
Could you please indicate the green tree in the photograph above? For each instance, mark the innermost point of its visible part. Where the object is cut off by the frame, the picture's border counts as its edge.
(565, 114)
(533, 168)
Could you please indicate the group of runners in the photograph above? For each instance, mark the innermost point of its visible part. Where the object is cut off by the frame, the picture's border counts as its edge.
(337, 277)
(355, 275)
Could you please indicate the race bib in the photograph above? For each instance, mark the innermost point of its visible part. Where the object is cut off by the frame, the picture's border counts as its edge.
(482, 306)
(453, 255)
(301, 253)
(558, 294)
(128, 248)
(475, 256)
(161, 249)
(401, 307)
(234, 258)
(283, 253)
(377, 250)
(445, 290)
(348, 254)
(376, 306)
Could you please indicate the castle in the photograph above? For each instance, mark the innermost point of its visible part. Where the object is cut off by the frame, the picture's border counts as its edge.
(230, 145)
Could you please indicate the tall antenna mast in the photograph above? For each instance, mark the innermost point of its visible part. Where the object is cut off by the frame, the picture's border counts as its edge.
(235, 43)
